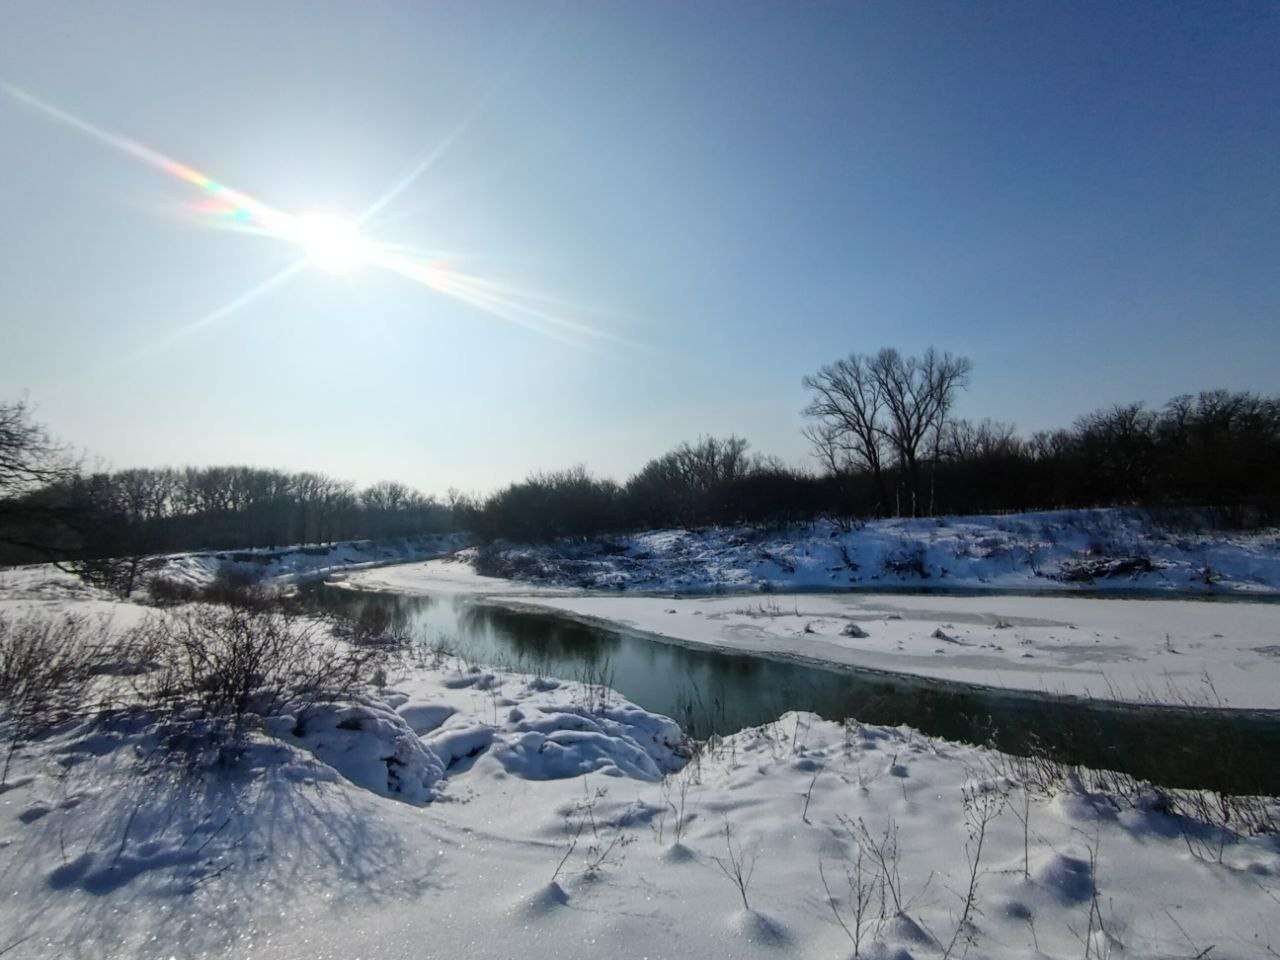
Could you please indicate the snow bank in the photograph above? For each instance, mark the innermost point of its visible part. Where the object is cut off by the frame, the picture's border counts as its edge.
(618, 740)
(1113, 550)
(403, 741)
(302, 562)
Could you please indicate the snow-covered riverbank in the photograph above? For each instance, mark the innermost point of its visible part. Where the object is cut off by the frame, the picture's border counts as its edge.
(1099, 550)
(299, 563)
(1112, 551)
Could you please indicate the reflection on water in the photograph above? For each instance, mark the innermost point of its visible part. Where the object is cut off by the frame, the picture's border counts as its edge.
(713, 692)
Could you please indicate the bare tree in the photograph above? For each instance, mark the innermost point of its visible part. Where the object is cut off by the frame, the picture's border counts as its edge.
(1117, 446)
(918, 393)
(965, 441)
(686, 485)
(869, 408)
(385, 495)
(849, 432)
(29, 461)
(28, 456)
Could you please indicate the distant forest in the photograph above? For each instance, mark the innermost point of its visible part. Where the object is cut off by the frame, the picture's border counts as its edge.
(881, 427)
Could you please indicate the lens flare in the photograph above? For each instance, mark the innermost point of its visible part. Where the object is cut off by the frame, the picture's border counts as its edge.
(330, 243)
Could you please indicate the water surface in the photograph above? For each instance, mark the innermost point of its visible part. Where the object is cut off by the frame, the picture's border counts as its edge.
(717, 692)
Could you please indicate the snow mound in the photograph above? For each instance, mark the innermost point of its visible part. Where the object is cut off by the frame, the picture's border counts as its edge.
(1068, 878)
(569, 742)
(456, 745)
(402, 743)
(425, 717)
(755, 927)
(677, 853)
(903, 927)
(882, 951)
(374, 747)
(544, 900)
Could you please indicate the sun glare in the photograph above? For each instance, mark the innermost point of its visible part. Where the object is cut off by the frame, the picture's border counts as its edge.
(331, 243)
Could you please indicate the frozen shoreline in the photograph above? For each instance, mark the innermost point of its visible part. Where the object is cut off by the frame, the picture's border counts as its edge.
(1142, 651)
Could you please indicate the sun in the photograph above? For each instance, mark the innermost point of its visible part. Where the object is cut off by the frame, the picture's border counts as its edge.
(331, 243)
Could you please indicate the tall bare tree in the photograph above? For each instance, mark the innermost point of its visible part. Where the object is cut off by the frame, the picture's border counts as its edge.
(918, 394)
(867, 409)
(848, 409)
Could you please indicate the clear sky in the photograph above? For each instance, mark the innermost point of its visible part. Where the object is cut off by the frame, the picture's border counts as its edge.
(1083, 198)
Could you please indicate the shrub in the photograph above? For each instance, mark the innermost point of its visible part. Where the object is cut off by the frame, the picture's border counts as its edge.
(908, 560)
(166, 592)
(493, 560)
(236, 586)
(229, 666)
(1089, 570)
(47, 665)
(117, 575)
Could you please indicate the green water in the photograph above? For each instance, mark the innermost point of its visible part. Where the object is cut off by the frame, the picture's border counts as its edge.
(710, 691)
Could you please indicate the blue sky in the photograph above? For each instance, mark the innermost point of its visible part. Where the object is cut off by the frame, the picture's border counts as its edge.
(1083, 198)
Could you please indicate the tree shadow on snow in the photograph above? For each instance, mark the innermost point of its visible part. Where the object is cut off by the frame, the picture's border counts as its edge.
(210, 848)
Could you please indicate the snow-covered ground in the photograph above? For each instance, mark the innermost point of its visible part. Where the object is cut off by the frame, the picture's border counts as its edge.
(555, 828)
(455, 811)
(1111, 550)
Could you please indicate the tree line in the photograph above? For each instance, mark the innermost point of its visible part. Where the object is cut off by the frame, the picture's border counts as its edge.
(883, 433)
(1218, 450)
(887, 443)
(52, 508)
